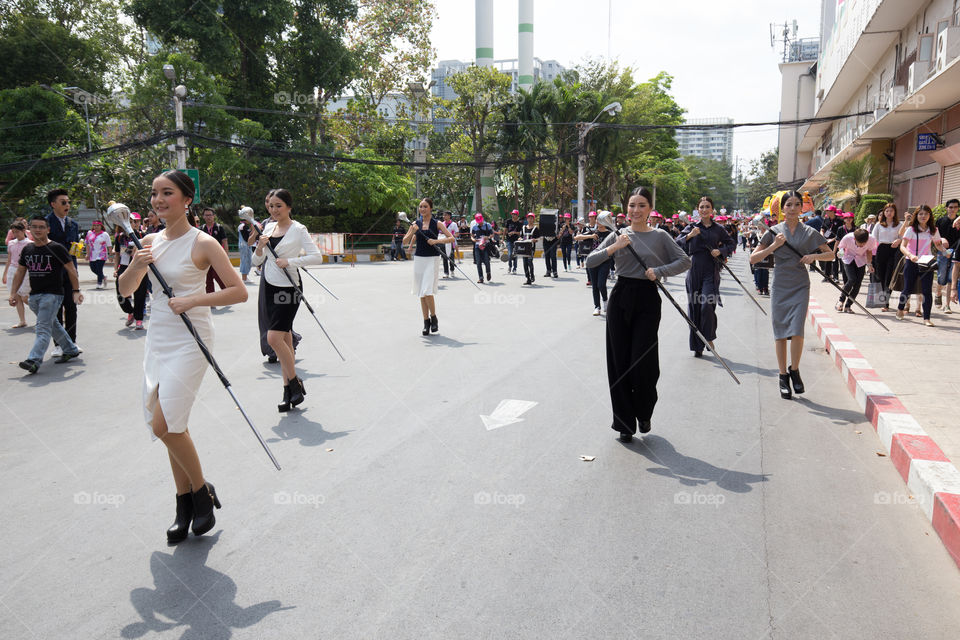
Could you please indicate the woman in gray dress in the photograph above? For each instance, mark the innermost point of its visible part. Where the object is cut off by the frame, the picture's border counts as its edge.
(791, 284)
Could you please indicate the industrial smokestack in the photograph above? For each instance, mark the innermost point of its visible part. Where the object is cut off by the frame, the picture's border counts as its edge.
(525, 45)
(484, 33)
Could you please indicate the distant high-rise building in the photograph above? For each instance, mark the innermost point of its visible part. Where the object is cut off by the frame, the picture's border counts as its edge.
(713, 143)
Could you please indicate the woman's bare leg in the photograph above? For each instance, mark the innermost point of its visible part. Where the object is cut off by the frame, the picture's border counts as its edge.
(424, 308)
(796, 350)
(781, 348)
(282, 344)
(431, 305)
(181, 451)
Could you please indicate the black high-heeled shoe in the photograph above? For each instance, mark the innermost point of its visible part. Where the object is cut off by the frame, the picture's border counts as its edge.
(180, 528)
(204, 500)
(785, 392)
(795, 379)
(426, 325)
(296, 391)
(434, 324)
(284, 406)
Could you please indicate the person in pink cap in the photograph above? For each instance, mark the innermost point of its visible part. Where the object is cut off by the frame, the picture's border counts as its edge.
(514, 229)
(482, 234)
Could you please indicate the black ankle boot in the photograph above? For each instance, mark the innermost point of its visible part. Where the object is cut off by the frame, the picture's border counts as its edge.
(204, 500)
(426, 324)
(785, 386)
(284, 406)
(434, 324)
(181, 525)
(797, 382)
(296, 391)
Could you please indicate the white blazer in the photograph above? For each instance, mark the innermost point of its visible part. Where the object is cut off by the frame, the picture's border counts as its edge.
(295, 240)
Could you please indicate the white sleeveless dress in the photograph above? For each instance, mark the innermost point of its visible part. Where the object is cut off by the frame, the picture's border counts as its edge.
(173, 366)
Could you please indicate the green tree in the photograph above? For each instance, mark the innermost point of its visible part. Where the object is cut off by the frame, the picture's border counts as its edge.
(850, 179)
(708, 177)
(35, 50)
(481, 94)
(761, 180)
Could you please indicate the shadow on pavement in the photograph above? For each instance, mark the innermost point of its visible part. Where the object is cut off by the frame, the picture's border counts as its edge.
(295, 426)
(740, 367)
(834, 415)
(193, 596)
(691, 471)
(436, 340)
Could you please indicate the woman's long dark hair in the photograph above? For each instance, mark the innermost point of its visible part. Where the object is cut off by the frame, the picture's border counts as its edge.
(915, 225)
(787, 196)
(182, 181)
(883, 215)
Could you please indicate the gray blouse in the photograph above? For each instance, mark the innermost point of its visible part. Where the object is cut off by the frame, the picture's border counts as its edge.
(657, 248)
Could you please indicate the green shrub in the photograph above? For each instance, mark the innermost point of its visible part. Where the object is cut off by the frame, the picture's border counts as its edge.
(939, 211)
(868, 207)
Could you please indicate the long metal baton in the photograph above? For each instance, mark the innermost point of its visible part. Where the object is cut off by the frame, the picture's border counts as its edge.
(314, 278)
(830, 280)
(203, 348)
(307, 303)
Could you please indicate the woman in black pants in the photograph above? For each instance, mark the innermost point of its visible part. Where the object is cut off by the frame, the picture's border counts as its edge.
(633, 319)
(566, 241)
(886, 233)
(920, 241)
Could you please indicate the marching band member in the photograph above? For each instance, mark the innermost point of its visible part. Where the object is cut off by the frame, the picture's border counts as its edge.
(481, 232)
(791, 284)
(282, 287)
(449, 251)
(633, 316)
(566, 241)
(591, 237)
(530, 233)
(706, 242)
(427, 231)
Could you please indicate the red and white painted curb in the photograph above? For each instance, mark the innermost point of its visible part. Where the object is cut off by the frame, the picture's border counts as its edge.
(929, 475)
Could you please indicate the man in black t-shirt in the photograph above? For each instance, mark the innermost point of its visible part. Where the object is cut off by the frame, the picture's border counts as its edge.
(513, 226)
(46, 263)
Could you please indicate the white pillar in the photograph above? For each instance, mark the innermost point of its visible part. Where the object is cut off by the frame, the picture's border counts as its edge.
(484, 33)
(525, 45)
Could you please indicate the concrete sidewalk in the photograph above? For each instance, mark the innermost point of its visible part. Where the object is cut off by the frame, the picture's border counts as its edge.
(917, 362)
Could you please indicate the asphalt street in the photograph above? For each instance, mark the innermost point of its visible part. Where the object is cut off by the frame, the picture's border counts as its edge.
(400, 514)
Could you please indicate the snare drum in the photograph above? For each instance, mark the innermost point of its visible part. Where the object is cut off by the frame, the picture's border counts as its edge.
(524, 248)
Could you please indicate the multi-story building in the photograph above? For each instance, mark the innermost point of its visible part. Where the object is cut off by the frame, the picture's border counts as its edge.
(892, 67)
(709, 142)
(543, 71)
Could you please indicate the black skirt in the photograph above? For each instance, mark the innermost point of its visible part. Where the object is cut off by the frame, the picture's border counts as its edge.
(282, 306)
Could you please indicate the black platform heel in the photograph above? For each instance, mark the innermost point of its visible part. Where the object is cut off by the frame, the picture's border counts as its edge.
(180, 528)
(204, 500)
(795, 379)
(434, 324)
(785, 392)
(284, 406)
(296, 391)
(426, 326)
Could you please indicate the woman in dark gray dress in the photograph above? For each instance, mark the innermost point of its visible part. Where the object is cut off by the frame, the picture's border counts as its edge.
(791, 284)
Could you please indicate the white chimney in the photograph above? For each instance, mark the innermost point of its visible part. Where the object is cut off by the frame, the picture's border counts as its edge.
(525, 45)
(484, 33)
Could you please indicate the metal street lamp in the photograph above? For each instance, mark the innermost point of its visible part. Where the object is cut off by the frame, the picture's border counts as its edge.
(612, 110)
(179, 93)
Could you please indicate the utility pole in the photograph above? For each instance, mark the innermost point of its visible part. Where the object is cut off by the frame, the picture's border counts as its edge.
(179, 93)
(584, 128)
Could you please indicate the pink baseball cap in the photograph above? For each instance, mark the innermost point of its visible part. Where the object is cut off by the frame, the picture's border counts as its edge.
(531, 215)
(831, 208)
(134, 215)
(478, 218)
(620, 215)
(592, 213)
(566, 215)
(514, 213)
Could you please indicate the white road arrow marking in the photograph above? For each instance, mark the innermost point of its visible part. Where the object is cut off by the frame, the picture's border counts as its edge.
(507, 412)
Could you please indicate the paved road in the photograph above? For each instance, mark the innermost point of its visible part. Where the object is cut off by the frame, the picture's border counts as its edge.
(740, 516)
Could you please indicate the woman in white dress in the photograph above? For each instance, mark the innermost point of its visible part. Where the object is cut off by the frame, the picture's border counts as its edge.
(173, 365)
(288, 238)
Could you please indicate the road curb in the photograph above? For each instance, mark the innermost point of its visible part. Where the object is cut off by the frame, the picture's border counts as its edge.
(928, 473)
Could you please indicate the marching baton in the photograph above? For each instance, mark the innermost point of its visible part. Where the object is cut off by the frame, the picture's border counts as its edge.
(745, 290)
(402, 216)
(246, 213)
(829, 279)
(612, 226)
(119, 215)
(305, 301)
